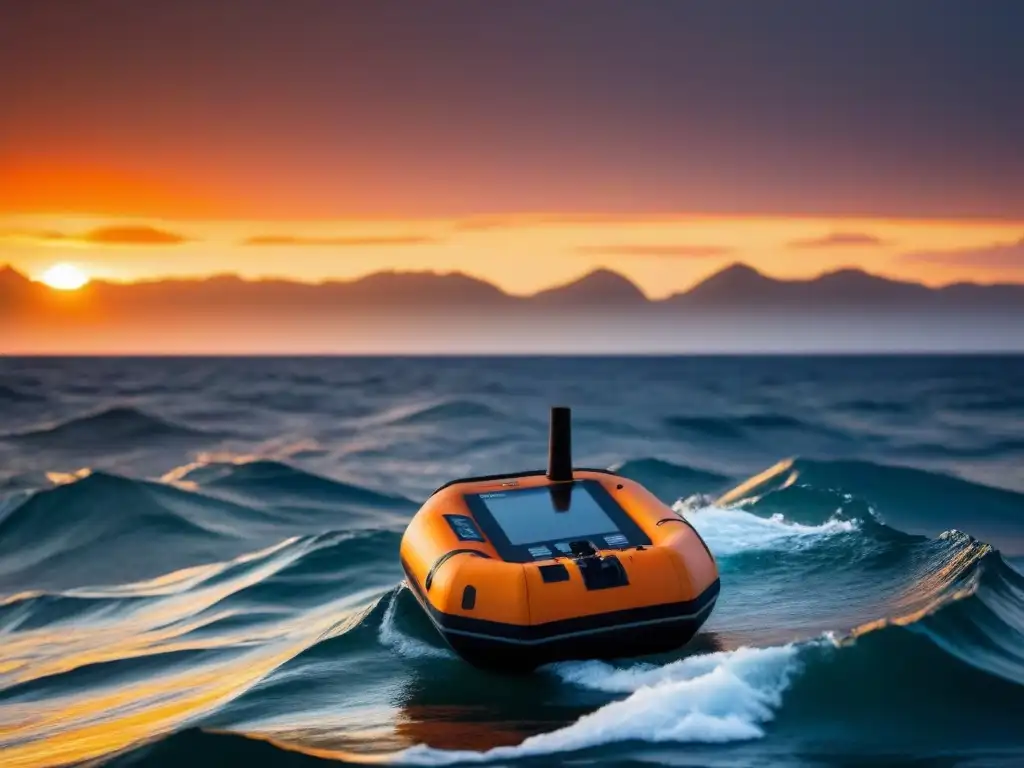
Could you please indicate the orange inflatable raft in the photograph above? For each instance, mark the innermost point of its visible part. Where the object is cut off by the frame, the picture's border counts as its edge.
(524, 569)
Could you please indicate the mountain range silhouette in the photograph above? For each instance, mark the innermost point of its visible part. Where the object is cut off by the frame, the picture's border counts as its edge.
(736, 285)
(735, 309)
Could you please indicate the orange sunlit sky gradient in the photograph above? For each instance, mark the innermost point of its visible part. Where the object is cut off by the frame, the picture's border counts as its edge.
(520, 254)
(522, 143)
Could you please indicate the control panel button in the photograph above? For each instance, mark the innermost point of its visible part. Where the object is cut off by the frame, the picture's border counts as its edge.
(464, 527)
(553, 573)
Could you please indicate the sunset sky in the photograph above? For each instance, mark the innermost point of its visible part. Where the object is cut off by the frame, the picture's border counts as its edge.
(522, 142)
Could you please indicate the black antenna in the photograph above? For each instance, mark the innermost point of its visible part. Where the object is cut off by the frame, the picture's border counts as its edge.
(560, 445)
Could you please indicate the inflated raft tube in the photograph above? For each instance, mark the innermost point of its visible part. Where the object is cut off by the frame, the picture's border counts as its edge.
(524, 569)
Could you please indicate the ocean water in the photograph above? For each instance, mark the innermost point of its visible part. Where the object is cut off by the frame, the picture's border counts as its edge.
(199, 561)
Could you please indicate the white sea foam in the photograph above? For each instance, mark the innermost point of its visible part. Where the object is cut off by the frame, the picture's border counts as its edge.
(728, 531)
(393, 638)
(713, 698)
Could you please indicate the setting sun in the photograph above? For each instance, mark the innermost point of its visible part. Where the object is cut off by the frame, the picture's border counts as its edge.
(65, 277)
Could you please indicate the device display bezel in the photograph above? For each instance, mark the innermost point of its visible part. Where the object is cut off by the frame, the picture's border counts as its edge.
(545, 549)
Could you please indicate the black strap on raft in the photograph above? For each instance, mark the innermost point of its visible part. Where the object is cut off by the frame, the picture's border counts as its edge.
(689, 525)
(516, 476)
(444, 558)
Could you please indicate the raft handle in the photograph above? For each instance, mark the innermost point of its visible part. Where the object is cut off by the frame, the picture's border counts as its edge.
(444, 558)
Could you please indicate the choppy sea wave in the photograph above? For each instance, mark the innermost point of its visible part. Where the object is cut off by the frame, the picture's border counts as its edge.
(224, 589)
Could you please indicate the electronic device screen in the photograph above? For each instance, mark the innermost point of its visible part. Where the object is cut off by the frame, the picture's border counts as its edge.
(542, 522)
(532, 514)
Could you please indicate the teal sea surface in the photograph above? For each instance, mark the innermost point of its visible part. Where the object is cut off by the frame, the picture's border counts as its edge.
(199, 560)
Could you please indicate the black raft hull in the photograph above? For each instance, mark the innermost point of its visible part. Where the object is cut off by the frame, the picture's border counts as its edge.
(622, 634)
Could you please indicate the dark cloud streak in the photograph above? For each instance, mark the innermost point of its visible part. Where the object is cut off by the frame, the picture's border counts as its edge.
(338, 242)
(113, 235)
(141, 235)
(660, 251)
(994, 256)
(840, 240)
(485, 223)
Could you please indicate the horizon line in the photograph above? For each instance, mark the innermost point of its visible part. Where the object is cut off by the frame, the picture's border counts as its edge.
(329, 282)
(917, 353)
